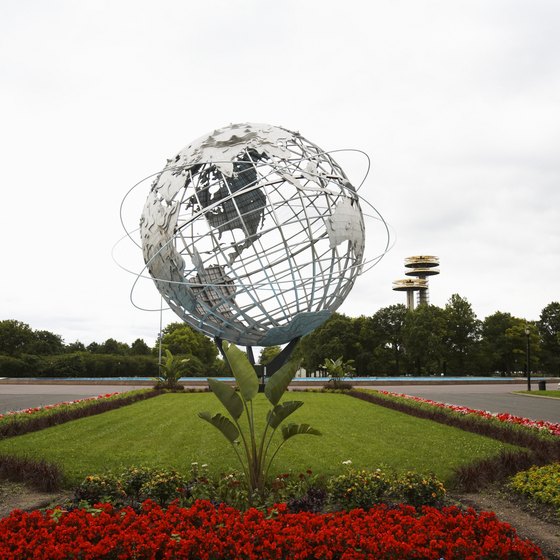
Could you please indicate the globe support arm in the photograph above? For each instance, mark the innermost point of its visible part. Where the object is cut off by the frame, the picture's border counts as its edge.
(271, 367)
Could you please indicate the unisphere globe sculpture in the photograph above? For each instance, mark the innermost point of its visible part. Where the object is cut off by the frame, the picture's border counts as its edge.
(253, 234)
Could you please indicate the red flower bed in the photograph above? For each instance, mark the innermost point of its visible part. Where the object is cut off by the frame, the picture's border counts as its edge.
(541, 425)
(211, 533)
(28, 411)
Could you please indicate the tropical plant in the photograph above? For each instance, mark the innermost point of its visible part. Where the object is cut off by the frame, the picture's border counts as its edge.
(254, 453)
(170, 371)
(339, 369)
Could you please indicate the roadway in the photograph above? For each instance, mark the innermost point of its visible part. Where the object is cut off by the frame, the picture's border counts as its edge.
(491, 397)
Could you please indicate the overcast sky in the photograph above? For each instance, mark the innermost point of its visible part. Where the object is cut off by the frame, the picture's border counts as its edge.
(456, 102)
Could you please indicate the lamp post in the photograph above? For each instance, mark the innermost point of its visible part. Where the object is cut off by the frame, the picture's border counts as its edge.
(527, 334)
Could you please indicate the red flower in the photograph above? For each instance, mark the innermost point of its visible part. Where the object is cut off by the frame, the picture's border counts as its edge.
(206, 532)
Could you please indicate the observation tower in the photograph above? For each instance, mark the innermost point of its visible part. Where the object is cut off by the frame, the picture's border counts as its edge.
(420, 267)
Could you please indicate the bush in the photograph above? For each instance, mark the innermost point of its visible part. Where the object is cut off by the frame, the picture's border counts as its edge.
(301, 492)
(43, 476)
(99, 488)
(358, 489)
(365, 488)
(228, 488)
(109, 365)
(132, 486)
(89, 364)
(164, 486)
(64, 365)
(541, 484)
(418, 490)
(79, 364)
(12, 367)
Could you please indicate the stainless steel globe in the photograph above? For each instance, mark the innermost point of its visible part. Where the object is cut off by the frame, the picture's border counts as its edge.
(253, 234)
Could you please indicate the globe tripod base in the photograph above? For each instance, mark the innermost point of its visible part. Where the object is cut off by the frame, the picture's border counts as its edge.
(270, 368)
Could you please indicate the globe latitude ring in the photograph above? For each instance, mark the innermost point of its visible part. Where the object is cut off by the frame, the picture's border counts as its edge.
(253, 234)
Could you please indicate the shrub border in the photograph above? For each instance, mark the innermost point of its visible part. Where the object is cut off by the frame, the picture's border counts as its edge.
(37, 473)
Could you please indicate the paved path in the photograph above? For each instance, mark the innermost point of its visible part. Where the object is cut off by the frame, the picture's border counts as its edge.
(491, 397)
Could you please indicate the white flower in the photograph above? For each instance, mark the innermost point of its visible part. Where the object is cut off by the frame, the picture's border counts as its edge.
(348, 462)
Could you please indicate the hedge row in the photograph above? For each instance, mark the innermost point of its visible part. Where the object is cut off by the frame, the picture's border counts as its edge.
(79, 364)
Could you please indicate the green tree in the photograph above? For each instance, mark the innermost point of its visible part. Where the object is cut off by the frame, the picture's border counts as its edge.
(268, 354)
(93, 347)
(362, 345)
(76, 346)
(46, 342)
(517, 342)
(112, 346)
(388, 324)
(462, 334)
(182, 340)
(139, 348)
(497, 345)
(15, 337)
(424, 339)
(335, 337)
(549, 329)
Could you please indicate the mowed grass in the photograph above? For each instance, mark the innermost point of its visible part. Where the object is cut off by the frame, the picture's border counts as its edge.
(555, 394)
(166, 431)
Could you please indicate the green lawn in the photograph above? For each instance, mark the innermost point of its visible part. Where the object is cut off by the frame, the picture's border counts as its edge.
(166, 431)
(555, 394)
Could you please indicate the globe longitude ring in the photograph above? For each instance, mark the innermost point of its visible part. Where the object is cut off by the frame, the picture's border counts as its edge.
(253, 234)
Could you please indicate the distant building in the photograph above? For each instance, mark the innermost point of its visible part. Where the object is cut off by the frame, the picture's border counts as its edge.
(419, 267)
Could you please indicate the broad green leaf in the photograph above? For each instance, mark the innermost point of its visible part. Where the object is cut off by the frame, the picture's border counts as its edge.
(292, 430)
(227, 396)
(279, 381)
(281, 411)
(243, 371)
(225, 425)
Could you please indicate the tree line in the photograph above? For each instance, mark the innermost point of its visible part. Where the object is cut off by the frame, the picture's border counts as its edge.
(25, 352)
(393, 341)
(431, 340)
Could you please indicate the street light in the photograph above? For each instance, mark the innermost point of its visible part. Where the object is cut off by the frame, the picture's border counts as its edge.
(527, 333)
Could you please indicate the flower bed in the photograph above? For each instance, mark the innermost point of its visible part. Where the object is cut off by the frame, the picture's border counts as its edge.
(541, 484)
(540, 425)
(208, 532)
(527, 430)
(16, 414)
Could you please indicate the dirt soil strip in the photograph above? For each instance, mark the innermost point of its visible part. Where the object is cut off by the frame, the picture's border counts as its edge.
(546, 535)
(16, 496)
